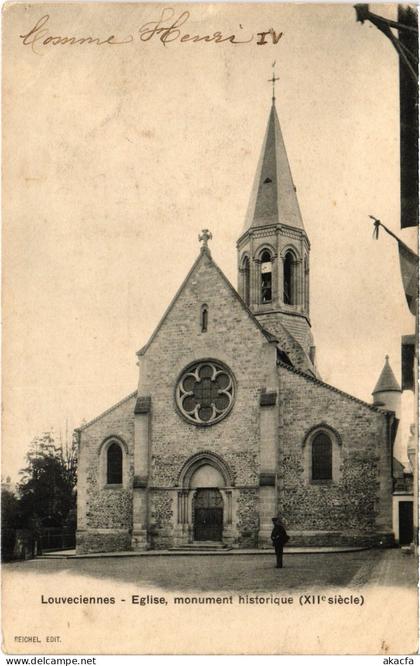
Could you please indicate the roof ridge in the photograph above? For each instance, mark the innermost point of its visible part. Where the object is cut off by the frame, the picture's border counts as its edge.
(204, 252)
(107, 411)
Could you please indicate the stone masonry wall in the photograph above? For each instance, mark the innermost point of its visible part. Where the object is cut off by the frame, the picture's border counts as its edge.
(356, 500)
(103, 541)
(161, 519)
(104, 515)
(231, 337)
(248, 522)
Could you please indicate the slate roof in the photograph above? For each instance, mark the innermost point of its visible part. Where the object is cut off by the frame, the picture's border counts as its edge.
(273, 196)
(386, 381)
(315, 380)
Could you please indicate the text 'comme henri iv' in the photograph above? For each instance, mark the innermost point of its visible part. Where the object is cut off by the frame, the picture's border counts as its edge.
(166, 29)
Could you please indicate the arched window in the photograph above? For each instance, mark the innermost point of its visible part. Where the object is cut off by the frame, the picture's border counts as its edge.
(204, 318)
(114, 464)
(246, 280)
(307, 284)
(289, 279)
(321, 457)
(266, 277)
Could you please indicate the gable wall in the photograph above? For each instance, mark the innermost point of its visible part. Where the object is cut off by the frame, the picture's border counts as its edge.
(100, 508)
(233, 338)
(360, 498)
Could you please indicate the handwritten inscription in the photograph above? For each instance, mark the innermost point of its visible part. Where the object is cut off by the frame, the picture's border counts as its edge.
(167, 29)
(39, 36)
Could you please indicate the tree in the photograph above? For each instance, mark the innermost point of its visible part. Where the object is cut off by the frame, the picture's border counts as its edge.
(10, 520)
(9, 509)
(47, 489)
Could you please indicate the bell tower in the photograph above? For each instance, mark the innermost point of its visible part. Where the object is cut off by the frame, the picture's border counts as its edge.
(273, 249)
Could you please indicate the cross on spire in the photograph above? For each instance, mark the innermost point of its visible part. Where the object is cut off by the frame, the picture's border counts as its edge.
(273, 80)
(205, 236)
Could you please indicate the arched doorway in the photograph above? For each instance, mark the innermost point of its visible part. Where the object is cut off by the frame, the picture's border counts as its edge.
(207, 503)
(208, 514)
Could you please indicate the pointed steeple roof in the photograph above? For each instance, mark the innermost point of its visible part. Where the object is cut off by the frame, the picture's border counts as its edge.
(386, 381)
(273, 197)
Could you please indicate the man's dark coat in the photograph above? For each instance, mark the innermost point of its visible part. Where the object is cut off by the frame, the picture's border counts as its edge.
(279, 537)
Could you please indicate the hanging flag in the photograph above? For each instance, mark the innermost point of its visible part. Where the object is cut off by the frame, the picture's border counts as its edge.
(409, 265)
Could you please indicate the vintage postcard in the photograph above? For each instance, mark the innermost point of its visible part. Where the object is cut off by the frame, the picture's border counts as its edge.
(210, 300)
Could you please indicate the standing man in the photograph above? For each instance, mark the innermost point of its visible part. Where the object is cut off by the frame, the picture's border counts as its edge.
(279, 537)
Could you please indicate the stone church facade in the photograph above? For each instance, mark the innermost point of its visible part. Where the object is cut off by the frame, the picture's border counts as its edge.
(231, 423)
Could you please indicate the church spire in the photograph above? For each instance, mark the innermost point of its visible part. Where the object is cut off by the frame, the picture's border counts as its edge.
(273, 196)
(273, 249)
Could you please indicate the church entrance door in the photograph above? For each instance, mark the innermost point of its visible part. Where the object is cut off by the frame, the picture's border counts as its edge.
(208, 515)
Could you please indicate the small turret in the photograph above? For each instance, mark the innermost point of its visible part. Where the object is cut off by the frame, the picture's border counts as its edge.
(387, 392)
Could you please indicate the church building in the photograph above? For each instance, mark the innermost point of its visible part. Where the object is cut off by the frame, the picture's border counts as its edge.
(231, 423)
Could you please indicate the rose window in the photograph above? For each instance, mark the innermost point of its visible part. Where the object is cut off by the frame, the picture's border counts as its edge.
(205, 392)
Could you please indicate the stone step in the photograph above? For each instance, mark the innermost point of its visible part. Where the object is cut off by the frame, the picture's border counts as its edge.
(203, 545)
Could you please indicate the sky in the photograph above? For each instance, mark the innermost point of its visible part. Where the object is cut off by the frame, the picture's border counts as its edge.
(115, 158)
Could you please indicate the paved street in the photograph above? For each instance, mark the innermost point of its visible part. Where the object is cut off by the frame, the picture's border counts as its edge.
(386, 579)
(240, 573)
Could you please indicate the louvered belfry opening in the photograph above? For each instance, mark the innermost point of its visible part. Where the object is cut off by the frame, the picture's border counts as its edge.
(246, 281)
(266, 277)
(289, 279)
